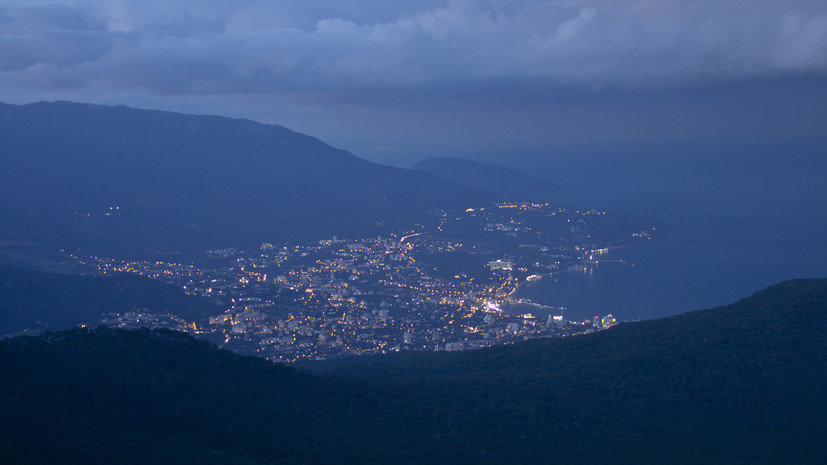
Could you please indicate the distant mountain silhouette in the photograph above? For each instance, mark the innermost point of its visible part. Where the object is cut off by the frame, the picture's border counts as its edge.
(740, 384)
(497, 179)
(38, 301)
(185, 183)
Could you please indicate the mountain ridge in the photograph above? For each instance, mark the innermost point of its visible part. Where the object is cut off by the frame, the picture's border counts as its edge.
(144, 181)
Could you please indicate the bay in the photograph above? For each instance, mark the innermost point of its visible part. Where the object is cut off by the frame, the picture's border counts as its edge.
(740, 220)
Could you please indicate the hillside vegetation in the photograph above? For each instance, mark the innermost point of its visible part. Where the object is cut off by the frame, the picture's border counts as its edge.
(37, 301)
(744, 383)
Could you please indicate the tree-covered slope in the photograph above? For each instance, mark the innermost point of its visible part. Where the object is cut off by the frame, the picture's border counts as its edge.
(35, 300)
(152, 396)
(743, 383)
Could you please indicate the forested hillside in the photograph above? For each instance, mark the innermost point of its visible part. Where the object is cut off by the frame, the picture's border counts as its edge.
(743, 383)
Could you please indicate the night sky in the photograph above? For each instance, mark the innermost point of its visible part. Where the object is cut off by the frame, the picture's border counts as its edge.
(377, 76)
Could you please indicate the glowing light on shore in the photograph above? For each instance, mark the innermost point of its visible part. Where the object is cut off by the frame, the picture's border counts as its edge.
(493, 306)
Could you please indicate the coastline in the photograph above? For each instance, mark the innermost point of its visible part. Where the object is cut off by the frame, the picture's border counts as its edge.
(526, 292)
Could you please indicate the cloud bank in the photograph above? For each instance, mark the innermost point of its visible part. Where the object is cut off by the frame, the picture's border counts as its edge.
(327, 60)
(205, 46)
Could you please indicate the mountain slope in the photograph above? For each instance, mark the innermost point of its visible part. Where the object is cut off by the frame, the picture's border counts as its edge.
(781, 317)
(744, 383)
(722, 385)
(136, 180)
(34, 300)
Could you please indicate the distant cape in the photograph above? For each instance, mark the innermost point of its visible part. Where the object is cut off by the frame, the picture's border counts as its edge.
(497, 179)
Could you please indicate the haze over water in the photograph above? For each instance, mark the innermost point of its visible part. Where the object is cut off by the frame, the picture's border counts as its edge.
(741, 221)
(742, 218)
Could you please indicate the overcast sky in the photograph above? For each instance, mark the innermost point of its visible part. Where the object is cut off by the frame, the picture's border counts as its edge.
(374, 74)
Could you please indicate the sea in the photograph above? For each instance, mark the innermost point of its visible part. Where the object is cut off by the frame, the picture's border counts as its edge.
(742, 217)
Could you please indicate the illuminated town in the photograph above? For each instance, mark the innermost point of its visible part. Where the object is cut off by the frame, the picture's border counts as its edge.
(448, 285)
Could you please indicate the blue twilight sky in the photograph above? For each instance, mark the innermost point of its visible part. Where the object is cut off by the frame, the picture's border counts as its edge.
(379, 76)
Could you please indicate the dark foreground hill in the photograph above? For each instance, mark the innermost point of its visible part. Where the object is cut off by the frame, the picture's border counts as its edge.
(117, 179)
(738, 384)
(38, 301)
(497, 179)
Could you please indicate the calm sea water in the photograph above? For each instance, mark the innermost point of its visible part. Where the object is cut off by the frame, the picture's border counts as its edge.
(742, 220)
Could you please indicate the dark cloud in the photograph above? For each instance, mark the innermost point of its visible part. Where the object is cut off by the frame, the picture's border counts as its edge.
(54, 16)
(421, 55)
(413, 43)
